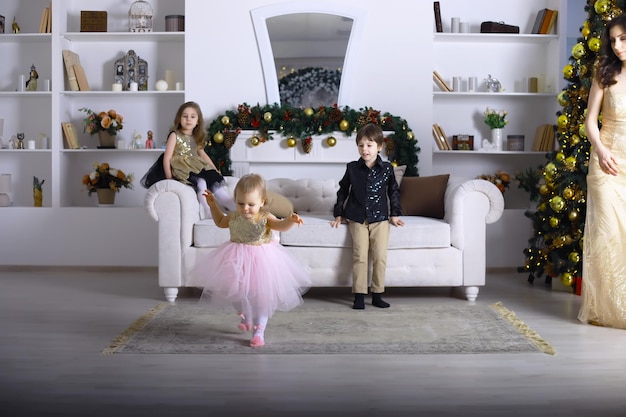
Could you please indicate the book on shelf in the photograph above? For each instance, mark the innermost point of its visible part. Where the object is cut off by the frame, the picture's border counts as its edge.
(81, 78)
(49, 23)
(71, 137)
(538, 20)
(43, 23)
(441, 83)
(552, 22)
(437, 10)
(441, 138)
(544, 138)
(70, 59)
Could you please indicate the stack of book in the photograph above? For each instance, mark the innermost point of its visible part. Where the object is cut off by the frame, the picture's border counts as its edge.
(441, 83)
(441, 140)
(544, 138)
(544, 22)
(45, 24)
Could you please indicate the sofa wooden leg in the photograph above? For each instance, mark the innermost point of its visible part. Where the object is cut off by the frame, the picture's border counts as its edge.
(471, 293)
(170, 294)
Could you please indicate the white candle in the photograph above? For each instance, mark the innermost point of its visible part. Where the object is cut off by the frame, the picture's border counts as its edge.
(134, 86)
(32, 144)
(169, 78)
(116, 87)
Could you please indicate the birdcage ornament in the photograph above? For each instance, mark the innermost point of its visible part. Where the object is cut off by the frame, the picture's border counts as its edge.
(140, 17)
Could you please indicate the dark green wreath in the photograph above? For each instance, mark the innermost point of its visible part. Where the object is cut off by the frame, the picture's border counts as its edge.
(400, 146)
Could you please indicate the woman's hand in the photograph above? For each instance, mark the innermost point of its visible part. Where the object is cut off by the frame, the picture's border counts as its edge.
(608, 162)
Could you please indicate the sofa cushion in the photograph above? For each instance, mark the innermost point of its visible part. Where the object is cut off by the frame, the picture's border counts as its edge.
(423, 196)
(417, 232)
(279, 205)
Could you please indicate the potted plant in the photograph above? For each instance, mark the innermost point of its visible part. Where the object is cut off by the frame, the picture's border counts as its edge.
(106, 181)
(530, 181)
(500, 179)
(496, 120)
(105, 123)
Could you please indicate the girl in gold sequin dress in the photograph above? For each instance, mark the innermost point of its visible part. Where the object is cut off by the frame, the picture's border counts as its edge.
(252, 271)
(185, 160)
(604, 253)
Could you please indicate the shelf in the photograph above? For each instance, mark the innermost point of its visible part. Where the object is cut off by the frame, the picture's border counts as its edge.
(25, 94)
(124, 36)
(93, 93)
(26, 151)
(118, 151)
(494, 37)
(25, 37)
(465, 94)
(483, 153)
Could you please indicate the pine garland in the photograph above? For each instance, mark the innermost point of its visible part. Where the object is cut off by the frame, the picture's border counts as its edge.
(304, 123)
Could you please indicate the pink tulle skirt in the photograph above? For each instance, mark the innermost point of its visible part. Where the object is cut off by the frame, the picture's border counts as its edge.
(266, 277)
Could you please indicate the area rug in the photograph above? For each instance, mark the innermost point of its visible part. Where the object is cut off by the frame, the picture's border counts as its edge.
(190, 328)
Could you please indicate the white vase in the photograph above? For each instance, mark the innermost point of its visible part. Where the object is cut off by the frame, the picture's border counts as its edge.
(497, 138)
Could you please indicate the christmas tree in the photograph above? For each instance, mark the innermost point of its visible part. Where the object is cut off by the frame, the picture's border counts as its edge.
(555, 249)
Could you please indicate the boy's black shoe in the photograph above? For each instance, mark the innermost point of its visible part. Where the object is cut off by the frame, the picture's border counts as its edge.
(377, 301)
(359, 302)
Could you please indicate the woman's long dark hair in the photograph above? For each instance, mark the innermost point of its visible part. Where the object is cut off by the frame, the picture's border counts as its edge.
(609, 65)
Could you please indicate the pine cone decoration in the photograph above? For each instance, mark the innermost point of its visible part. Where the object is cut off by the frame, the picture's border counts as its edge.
(361, 120)
(335, 115)
(243, 116)
(307, 145)
(390, 147)
(229, 139)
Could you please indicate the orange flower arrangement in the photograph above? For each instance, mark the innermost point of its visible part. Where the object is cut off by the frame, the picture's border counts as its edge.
(103, 176)
(107, 121)
(500, 179)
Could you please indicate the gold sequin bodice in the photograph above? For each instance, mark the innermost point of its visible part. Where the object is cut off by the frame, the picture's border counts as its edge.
(249, 232)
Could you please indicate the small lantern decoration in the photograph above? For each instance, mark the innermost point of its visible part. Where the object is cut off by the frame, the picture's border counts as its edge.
(140, 17)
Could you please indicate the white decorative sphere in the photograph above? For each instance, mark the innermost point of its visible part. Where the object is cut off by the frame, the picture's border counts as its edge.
(161, 85)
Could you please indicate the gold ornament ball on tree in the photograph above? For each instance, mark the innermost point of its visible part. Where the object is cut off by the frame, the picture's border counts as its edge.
(567, 279)
(309, 112)
(569, 71)
(226, 120)
(557, 203)
(344, 125)
(410, 135)
(554, 222)
(550, 169)
(331, 141)
(602, 6)
(568, 193)
(218, 137)
(574, 257)
(573, 215)
(254, 140)
(594, 44)
(578, 51)
(563, 121)
(563, 98)
(570, 162)
(291, 142)
(267, 116)
(560, 156)
(544, 189)
(581, 131)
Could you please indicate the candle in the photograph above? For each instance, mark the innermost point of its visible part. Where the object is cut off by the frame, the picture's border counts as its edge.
(116, 87)
(32, 144)
(134, 86)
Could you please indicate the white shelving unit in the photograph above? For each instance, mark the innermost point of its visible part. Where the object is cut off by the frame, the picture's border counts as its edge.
(512, 59)
(41, 113)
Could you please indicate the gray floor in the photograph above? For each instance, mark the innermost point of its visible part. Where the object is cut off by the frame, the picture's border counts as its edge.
(54, 324)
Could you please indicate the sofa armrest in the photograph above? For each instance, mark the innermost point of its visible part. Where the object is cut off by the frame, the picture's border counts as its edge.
(471, 204)
(175, 207)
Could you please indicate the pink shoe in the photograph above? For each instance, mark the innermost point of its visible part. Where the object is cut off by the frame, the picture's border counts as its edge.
(244, 326)
(257, 341)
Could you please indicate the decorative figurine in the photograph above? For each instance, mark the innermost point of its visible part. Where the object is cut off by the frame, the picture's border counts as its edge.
(149, 141)
(15, 26)
(493, 85)
(31, 84)
(20, 141)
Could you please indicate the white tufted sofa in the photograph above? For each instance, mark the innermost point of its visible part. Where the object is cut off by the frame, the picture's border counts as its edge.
(426, 252)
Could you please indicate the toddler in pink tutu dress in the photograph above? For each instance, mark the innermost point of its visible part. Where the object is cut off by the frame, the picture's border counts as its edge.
(252, 271)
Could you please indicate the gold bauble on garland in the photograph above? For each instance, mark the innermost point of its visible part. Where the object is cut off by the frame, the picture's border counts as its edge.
(226, 121)
(254, 140)
(331, 141)
(267, 116)
(410, 135)
(218, 137)
(309, 112)
(291, 142)
(344, 125)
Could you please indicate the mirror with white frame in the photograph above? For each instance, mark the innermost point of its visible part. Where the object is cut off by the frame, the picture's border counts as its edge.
(307, 51)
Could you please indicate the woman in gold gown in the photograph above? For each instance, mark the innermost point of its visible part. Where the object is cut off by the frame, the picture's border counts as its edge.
(604, 253)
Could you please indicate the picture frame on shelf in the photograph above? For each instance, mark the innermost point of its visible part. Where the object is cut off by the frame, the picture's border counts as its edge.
(131, 68)
(1, 24)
